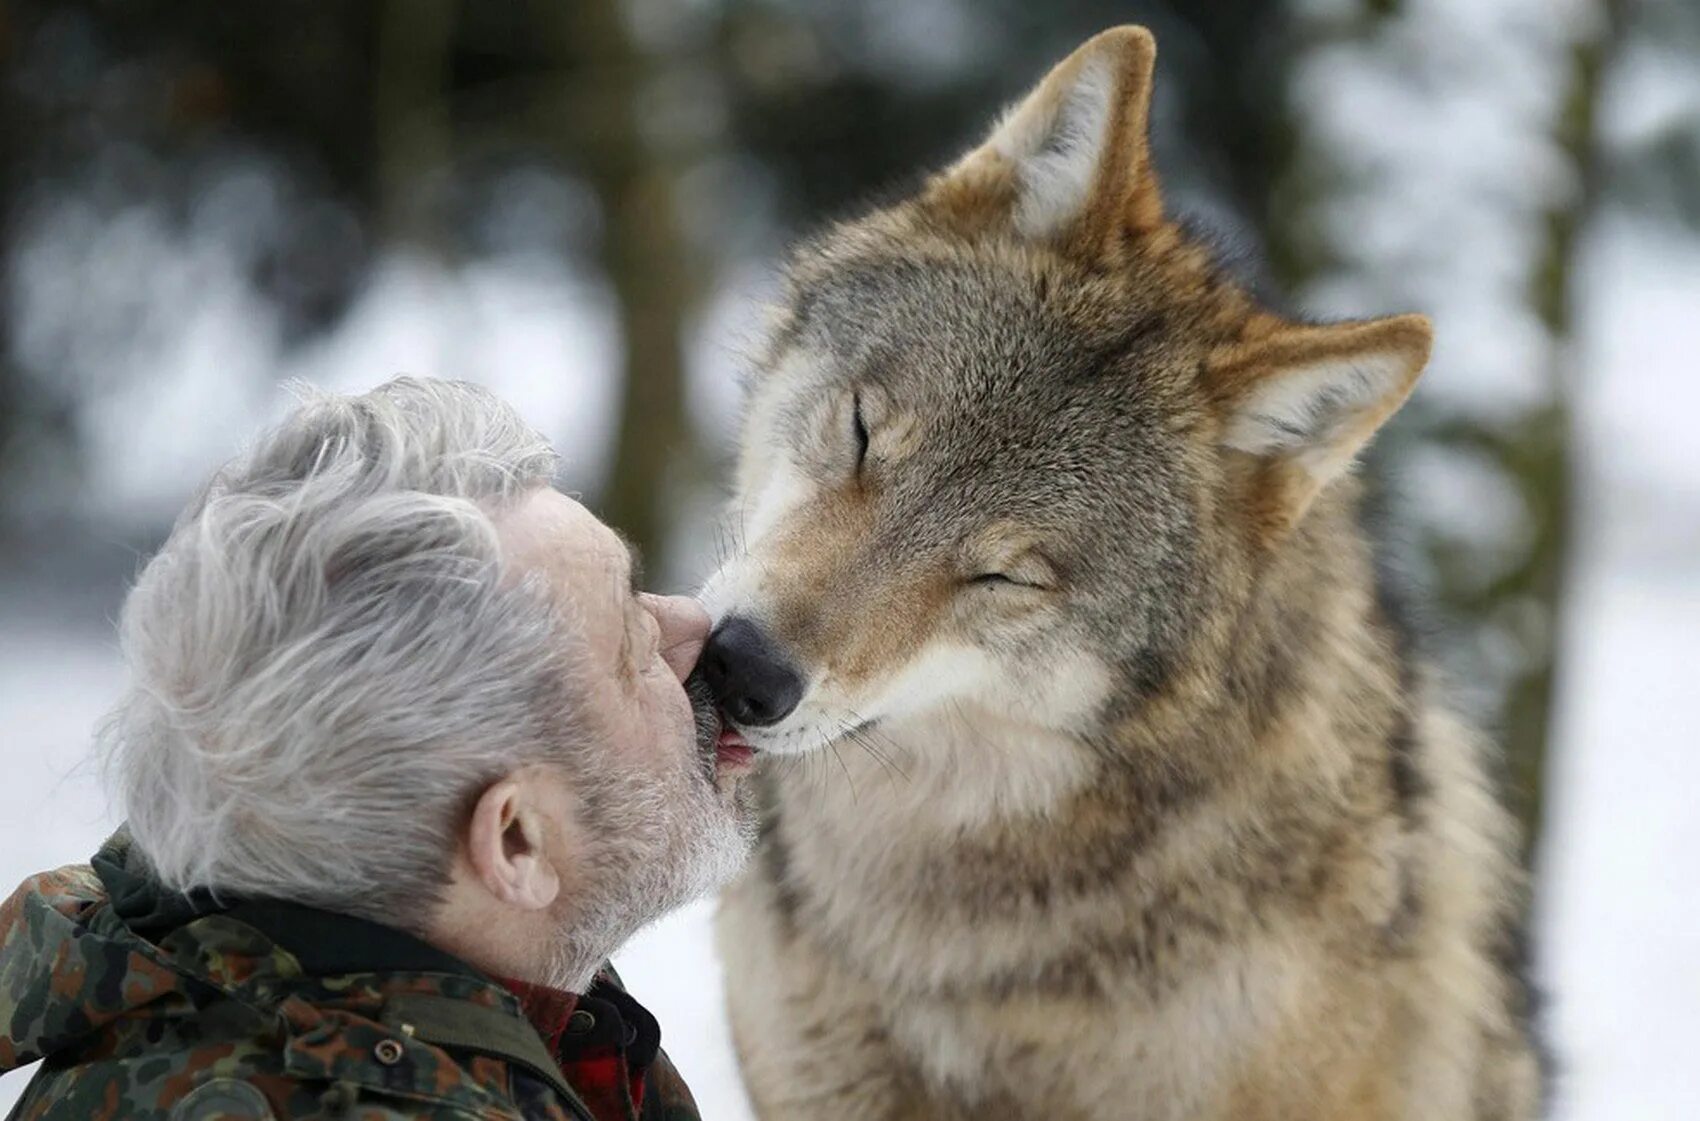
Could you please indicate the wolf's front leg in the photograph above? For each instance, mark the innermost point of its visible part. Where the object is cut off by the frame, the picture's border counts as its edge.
(809, 1036)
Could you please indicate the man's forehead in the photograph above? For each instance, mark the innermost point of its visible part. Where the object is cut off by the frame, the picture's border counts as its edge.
(548, 530)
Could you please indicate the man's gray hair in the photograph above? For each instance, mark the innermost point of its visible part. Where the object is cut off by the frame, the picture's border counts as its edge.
(327, 662)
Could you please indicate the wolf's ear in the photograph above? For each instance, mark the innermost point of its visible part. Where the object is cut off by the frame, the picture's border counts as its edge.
(1071, 160)
(1308, 398)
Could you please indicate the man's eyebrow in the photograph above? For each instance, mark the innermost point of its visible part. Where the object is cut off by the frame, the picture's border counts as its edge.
(634, 563)
(634, 575)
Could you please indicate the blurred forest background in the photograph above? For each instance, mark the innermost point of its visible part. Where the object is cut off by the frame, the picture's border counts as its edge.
(581, 203)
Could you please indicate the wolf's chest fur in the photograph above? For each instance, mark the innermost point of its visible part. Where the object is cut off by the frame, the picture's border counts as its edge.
(1009, 962)
(1246, 952)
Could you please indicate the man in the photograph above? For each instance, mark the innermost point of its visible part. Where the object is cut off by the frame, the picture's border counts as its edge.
(405, 756)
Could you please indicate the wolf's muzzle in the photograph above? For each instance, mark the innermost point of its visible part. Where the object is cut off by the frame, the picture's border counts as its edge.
(754, 683)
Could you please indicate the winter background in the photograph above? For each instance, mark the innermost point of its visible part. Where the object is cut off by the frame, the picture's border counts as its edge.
(581, 205)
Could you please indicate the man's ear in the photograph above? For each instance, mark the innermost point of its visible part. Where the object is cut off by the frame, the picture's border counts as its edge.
(1306, 399)
(506, 846)
(1071, 161)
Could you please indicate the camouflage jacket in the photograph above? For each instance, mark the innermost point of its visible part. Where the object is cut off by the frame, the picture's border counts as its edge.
(147, 1004)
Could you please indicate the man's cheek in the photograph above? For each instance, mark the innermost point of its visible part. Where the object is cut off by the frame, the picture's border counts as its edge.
(678, 720)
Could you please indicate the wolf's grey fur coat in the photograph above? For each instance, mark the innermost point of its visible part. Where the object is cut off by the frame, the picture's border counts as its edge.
(1142, 807)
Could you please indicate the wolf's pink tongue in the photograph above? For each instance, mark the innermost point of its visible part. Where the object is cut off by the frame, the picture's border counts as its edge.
(731, 749)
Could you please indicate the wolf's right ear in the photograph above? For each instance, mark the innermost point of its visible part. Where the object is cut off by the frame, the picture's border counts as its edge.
(1304, 400)
(1070, 162)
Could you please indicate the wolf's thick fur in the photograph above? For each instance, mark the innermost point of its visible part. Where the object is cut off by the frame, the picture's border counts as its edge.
(1157, 817)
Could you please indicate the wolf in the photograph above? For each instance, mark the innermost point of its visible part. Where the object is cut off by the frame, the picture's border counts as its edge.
(1160, 816)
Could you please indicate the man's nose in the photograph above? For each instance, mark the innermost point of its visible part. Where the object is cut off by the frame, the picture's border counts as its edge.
(684, 629)
(753, 682)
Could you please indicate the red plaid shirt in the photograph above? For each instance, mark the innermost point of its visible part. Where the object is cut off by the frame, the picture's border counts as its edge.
(607, 1045)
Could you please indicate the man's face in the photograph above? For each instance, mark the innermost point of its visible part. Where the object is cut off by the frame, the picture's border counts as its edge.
(660, 807)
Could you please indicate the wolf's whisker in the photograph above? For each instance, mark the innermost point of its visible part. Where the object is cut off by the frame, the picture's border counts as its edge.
(850, 733)
(833, 746)
(892, 747)
(860, 732)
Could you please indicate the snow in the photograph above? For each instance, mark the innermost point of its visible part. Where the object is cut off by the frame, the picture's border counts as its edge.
(201, 343)
(673, 970)
(1619, 920)
(1620, 925)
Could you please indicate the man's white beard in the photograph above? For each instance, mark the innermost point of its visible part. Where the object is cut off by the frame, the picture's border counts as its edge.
(660, 842)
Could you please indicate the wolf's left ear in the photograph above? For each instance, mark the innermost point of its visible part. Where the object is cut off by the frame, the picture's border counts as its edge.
(1071, 160)
(1308, 398)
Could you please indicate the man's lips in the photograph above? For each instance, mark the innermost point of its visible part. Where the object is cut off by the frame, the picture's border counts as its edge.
(733, 750)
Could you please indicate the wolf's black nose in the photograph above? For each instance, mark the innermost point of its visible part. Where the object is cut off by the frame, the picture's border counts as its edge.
(752, 681)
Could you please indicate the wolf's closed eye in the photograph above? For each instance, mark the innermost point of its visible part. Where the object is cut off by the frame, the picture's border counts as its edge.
(1029, 570)
(859, 426)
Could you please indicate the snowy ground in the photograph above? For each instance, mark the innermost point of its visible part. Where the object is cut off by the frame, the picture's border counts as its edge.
(1619, 922)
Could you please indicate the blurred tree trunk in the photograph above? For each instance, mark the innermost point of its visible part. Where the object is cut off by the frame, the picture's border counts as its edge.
(1229, 110)
(1539, 456)
(1533, 454)
(36, 430)
(11, 124)
(1536, 453)
(645, 257)
(411, 121)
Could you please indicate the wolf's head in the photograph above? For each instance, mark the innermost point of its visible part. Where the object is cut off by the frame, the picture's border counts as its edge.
(1016, 447)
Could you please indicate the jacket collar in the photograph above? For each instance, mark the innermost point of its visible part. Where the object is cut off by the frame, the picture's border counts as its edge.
(323, 942)
(328, 943)
(138, 898)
